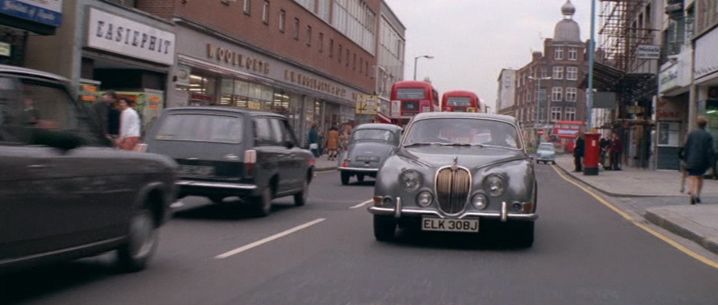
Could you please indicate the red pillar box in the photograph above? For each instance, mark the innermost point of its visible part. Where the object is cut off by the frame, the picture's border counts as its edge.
(591, 154)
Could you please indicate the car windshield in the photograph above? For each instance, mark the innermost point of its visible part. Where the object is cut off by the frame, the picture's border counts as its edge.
(201, 128)
(379, 135)
(546, 146)
(461, 131)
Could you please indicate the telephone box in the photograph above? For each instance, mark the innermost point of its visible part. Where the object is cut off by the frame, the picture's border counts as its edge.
(591, 154)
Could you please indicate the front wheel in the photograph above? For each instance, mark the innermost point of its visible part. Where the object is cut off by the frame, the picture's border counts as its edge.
(141, 243)
(300, 198)
(345, 178)
(384, 228)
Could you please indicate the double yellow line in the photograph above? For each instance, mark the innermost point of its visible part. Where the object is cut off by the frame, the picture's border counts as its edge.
(637, 223)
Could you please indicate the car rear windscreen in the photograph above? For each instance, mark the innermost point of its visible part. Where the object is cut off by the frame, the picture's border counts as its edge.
(201, 128)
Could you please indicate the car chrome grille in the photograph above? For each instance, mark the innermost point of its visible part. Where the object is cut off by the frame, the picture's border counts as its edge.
(452, 189)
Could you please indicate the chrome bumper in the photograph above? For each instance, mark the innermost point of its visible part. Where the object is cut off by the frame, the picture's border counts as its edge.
(398, 211)
(221, 185)
(359, 169)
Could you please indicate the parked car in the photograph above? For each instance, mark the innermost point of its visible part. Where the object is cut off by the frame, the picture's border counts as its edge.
(546, 153)
(369, 146)
(225, 152)
(456, 172)
(65, 192)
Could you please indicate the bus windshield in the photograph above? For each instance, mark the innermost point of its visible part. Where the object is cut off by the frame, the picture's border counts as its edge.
(410, 93)
(459, 101)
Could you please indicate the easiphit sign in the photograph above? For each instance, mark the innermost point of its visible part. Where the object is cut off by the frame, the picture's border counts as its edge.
(130, 38)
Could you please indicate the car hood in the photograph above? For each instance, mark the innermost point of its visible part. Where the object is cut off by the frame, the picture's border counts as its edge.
(370, 149)
(470, 157)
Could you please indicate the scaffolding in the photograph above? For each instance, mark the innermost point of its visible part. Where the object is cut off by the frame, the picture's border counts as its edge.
(622, 29)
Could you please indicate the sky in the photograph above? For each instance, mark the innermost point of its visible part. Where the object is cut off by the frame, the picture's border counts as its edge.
(472, 40)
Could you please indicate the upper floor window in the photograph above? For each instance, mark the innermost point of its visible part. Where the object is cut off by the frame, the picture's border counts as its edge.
(555, 113)
(321, 42)
(247, 7)
(571, 94)
(557, 94)
(296, 28)
(282, 20)
(558, 72)
(572, 54)
(339, 54)
(570, 114)
(558, 53)
(265, 12)
(331, 47)
(309, 35)
(347, 61)
(572, 73)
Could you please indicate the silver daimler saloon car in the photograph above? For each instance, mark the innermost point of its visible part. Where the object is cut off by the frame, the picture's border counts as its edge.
(369, 146)
(458, 172)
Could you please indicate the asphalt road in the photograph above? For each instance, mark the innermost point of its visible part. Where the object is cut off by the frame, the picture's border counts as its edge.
(584, 254)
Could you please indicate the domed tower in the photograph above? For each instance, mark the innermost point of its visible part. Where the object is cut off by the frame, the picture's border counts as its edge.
(567, 29)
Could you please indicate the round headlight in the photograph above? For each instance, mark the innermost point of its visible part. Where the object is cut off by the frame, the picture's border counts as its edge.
(480, 201)
(494, 185)
(410, 180)
(424, 199)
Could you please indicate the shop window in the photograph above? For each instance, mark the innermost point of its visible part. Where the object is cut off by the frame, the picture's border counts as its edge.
(282, 20)
(265, 12)
(247, 7)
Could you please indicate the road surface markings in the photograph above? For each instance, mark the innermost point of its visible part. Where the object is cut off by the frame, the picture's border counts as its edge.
(268, 239)
(361, 204)
(637, 223)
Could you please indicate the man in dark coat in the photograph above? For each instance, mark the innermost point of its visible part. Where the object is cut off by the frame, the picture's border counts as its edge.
(578, 151)
(616, 149)
(108, 117)
(699, 154)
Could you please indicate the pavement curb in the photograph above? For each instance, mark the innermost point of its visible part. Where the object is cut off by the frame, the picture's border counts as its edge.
(682, 227)
(574, 176)
(325, 169)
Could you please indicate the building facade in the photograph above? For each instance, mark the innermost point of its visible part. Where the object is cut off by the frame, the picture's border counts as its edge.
(506, 92)
(390, 56)
(705, 74)
(20, 20)
(547, 88)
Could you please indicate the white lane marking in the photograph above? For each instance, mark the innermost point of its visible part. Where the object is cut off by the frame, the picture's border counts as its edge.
(268, 239)
(177, 204)
(361, 204)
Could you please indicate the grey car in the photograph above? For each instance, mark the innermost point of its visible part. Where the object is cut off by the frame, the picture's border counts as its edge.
(224, 152)
(369, 146)
(458, 172)
(65, 193)
(546, 153)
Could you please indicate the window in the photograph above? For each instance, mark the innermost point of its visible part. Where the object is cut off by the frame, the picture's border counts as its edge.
(265, 12)
(331, 47)
(296, 28)
(571, 94)
(262, 132)
(572, 54)
(354, 62)
(309, 35)
(201, 127)
(347, 61)
(555, 113)
(361, 65)
(558, 72)
(570, 114)
(321, 42)
(277, 132)
(339, 55)
(571, 73)
(366, 68)
(557, 94)
(558, 53)
(247, 7)
(282, 20)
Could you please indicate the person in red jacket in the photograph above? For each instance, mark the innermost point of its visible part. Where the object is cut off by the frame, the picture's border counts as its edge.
(616, 151)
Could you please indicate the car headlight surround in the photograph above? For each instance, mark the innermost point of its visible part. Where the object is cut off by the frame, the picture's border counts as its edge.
(479, 201)
(494, 185)
(424, 199)
(410, 180)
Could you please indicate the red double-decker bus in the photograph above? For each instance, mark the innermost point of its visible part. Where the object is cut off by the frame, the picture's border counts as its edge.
(460, 101)
(409, 98)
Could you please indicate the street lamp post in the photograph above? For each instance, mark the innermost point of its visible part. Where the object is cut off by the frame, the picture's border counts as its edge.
(538, 102)
(591, 60)
(416, 59)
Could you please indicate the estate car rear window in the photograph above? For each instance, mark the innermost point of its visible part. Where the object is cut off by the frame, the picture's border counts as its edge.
(201, 128)
(373, 135)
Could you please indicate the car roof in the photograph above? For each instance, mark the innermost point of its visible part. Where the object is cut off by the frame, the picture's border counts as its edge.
(5, 69)
(378, 126)
(464, 115)
(223, 109)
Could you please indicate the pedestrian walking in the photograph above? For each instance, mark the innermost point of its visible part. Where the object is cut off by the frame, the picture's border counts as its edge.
(107, 115)
(682, 167)
(699, 155)
(616, 151)
(578, 151)
(603, 145)
(129, 135)
(345, 136)
(313, 139)
(332, 143)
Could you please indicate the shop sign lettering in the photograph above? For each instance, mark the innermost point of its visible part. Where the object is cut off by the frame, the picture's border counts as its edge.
(236, 59)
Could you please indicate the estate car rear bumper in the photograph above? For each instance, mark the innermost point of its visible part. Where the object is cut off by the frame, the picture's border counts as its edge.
(208, 188)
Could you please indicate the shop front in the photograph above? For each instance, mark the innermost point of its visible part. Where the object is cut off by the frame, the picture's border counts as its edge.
(19, 19)
(706, 80)
(213, 71)
(128, 53)
(671, 112)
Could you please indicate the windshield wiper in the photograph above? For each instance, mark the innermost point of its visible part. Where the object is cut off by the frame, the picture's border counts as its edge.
(463, 145)
(422, 144)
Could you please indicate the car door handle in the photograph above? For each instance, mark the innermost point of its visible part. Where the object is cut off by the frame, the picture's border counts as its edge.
(38, 166)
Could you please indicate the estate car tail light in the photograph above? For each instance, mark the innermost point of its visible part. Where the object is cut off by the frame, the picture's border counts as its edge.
(250, 160)
(345, 163)
(312, 162)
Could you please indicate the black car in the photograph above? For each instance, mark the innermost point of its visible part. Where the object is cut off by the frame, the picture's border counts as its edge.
(224, 152)
(65, 192)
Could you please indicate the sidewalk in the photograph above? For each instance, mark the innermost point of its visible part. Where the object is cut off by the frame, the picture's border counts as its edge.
(655, 195)
(323, 164)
